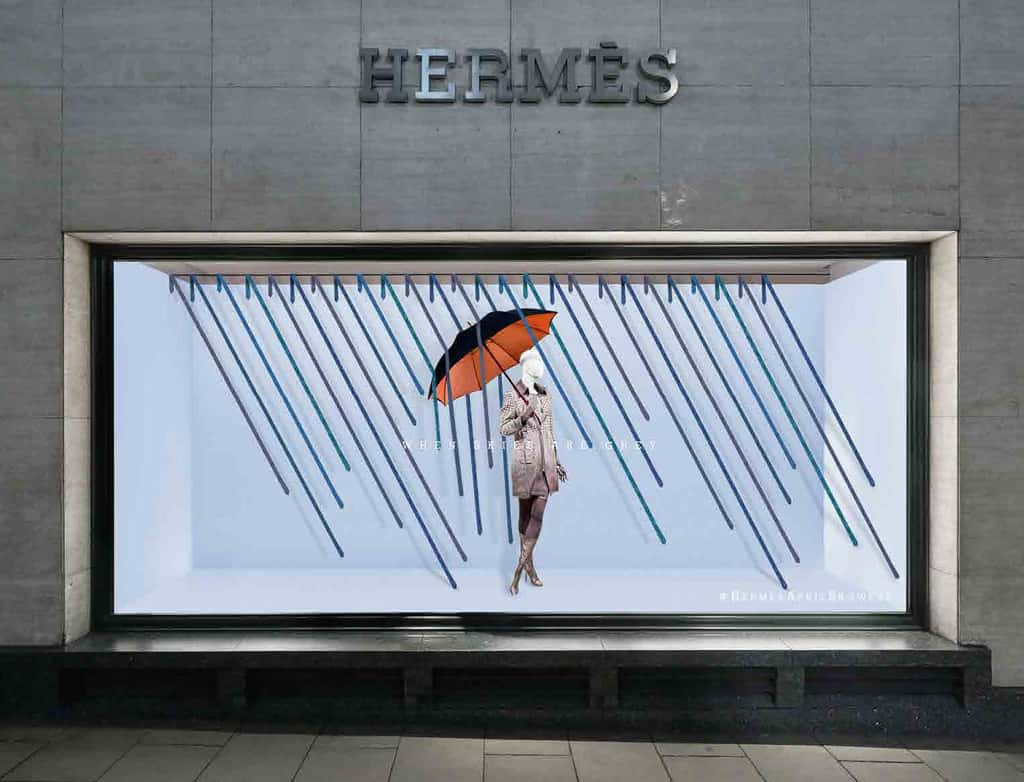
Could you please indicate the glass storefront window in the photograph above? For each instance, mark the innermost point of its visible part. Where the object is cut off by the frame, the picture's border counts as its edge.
(733, 444)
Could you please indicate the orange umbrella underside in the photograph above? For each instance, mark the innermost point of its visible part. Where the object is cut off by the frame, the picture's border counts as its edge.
(501, 352)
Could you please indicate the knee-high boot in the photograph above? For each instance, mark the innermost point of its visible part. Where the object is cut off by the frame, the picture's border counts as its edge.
(531, 571)
(525, 552)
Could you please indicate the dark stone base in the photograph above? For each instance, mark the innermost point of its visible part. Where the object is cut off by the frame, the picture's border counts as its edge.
(655, 683)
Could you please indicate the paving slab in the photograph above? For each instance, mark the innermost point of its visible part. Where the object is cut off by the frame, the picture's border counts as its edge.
(430, 758)
(614, 761)
(498, 746)
(968, 766)
(195, 738)
(329, 762)
(872, 754)
(698, 749)
(795, 763)
(352, 742)
(711, 769)
(259, 757)
(892, 772)
(83, 756)
(160, 764)
(515, 768)
(1015, 759)
(14, 752)
(35, 734)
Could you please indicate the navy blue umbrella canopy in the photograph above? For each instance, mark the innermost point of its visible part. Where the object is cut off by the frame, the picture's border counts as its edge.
(503, 335)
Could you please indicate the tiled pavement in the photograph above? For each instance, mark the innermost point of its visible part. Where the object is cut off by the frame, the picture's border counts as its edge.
(77, 754)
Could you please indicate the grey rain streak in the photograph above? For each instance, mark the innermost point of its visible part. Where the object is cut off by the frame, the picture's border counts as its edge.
(657, 83)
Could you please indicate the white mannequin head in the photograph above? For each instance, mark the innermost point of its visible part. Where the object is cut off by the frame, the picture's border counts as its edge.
(532, 367)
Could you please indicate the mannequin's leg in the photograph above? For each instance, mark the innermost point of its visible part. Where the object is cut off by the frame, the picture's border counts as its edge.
(525, 505)
(533, 528)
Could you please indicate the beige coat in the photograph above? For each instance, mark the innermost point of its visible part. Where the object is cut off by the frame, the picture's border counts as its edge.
(533, 452)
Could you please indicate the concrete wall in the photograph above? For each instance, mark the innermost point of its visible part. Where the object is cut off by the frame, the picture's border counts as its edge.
(228, 114)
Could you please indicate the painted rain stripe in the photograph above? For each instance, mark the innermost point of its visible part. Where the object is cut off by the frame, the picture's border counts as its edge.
(300, 376)
(821, 431)
(611, 352)
(281, 392)
(504, 465)
(707, 435)
(330, 391)
(565, 353)
(295, 419)
(469, 411)
(227, 381)
(785, 407)
(817, 378)
(447, 379)
(263, 407)
(724, 422)
(695, 287)
(664, 397)
(373, 430)
(615, 448)
(501, 396)
(391, 334)
(604, 376)
(728, 387)
(339, 287)
(483, 368)
(419, 345)
(387, 415)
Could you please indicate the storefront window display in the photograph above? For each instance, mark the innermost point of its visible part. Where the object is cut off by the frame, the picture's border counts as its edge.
(664, 440)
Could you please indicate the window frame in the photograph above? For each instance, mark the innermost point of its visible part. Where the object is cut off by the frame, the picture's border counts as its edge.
(915, 581)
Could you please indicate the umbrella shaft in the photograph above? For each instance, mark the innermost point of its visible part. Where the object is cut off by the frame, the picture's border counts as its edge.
(511, 382)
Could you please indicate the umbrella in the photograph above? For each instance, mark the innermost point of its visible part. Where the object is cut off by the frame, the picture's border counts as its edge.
(504, 337)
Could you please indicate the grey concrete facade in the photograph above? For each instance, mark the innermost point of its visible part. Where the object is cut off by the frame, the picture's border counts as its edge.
(236, 115)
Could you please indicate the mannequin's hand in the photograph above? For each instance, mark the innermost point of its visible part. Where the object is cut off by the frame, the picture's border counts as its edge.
(562, 474)
(531, 408)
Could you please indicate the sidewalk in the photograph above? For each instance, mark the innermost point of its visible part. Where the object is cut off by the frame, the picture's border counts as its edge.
(59, 754)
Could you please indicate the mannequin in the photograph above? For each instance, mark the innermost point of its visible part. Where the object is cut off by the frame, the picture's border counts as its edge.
(535, 469)
(532, 370)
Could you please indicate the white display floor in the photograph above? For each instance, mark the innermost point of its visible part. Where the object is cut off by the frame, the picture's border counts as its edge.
(480, 590)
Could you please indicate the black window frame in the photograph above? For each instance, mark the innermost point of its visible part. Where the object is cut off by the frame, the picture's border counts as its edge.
(915, 580)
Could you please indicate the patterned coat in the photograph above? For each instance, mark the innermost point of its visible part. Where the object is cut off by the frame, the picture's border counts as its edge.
(534, 455)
